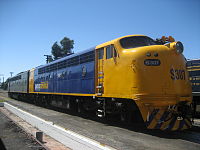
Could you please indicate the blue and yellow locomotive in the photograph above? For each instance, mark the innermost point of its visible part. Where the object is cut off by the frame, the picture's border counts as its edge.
(131, 77)
(193, 67)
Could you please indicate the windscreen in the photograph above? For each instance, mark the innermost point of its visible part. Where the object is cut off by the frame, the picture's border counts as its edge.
(136, 41)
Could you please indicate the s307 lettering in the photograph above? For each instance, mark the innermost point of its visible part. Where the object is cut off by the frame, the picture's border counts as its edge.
(177, 74)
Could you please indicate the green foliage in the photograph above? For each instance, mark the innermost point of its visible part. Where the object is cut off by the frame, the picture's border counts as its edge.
(65, 49)
(56, 51)
(2, 100)
(50, 59)
(4, 85)
(67, 45)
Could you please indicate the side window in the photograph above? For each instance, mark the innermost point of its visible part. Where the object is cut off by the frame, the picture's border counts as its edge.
(109, 52)
(100, 53)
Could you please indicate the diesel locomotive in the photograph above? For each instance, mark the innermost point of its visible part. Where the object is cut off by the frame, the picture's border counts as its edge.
(132, 77)
(193, 67)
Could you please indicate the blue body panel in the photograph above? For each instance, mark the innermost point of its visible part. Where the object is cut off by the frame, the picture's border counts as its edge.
(79, 78)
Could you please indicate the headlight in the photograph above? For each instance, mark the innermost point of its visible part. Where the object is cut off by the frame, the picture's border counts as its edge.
(179, 47)
(148, 54)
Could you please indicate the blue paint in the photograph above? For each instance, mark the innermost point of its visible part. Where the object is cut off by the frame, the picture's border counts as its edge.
(72, 79)
(163, 118)
(151, 117)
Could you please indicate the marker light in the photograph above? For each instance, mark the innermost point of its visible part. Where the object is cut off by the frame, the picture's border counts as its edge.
(171, 39)
(179, 47)
(156, 54)
(148, 54)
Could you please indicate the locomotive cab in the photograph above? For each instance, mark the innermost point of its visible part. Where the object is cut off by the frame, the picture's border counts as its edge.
(151, 73)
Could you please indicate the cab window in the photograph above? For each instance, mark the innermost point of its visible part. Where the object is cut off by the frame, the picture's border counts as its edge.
(109, 52)
(136, 41)
(100, 53)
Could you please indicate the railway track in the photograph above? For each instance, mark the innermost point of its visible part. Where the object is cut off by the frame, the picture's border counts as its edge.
(114, 134)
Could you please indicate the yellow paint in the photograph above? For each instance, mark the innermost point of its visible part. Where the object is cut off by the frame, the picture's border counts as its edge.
(100, 74)
(189, 123)
(184, 127)
(19, 92)
(165, 125)
(31, 80)
(126, 76)
(44, 85)
(72, 94)
(176, 125)
(193, 69)
(156, 119)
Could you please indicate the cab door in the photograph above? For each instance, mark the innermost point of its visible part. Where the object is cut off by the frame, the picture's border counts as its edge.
(112, 74)
(100, 71)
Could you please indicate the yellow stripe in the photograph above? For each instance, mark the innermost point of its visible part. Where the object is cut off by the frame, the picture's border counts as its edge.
(73, 94)
(165, 124)
(184, 127)
(17, 92)
(176, 125)
(78, 94)
(153, 124)
(156, 119)
(188, 122)
(193, 69)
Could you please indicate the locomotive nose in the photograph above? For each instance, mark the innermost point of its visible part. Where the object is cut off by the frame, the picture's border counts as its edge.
(162, 72)
(163, 83)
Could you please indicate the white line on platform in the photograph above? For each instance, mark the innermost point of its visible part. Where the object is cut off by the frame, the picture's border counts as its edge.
(66, 137)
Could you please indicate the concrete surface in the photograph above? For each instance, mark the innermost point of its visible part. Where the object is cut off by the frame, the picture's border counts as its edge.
(118, 136)
(47, 141)
(114, 135)
(70, 139)
(14, 138)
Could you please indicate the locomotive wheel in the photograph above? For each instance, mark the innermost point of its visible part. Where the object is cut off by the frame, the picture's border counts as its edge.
(123, 114)
(71, 106)
(123, 117)
(79, 107)
(46, 104)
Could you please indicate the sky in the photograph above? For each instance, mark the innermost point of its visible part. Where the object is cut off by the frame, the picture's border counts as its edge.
(28, 28)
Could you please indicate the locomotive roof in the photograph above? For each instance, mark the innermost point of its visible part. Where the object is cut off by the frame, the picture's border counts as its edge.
(117, 39)
(67, 57)
(193, 59)
(87, 50)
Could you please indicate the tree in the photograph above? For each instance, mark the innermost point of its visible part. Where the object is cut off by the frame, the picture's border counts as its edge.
(56, 51)
(4, 85)
(65, 49)
(67, 46)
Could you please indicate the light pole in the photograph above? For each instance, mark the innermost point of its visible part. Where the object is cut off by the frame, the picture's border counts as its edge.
(11, 73)
(3, 77)
(48, 58)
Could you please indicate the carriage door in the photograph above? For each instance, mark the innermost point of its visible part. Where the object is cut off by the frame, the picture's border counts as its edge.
(100, 71)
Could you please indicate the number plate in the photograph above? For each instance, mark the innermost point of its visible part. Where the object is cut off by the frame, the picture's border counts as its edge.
(152, 62)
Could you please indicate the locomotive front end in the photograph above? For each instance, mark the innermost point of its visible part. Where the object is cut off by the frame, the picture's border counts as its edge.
(161, 87)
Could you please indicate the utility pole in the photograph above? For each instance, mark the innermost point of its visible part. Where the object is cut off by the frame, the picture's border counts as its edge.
(3, 77)
(11, 73)
(48, 58)
(1, 83)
